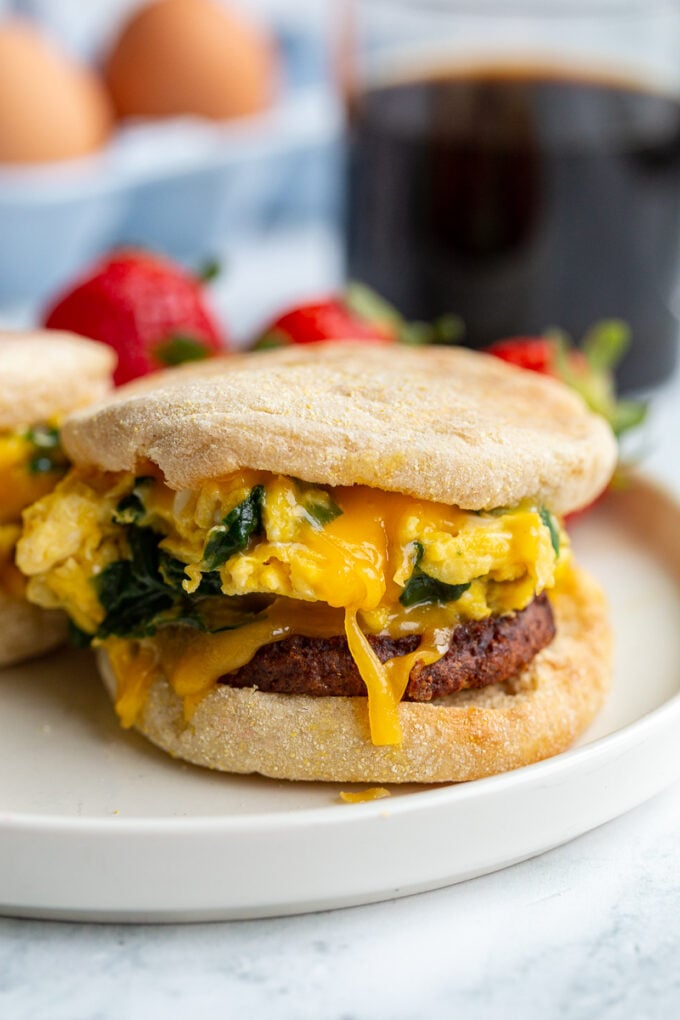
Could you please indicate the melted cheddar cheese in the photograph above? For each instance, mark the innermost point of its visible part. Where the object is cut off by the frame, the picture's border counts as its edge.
(343, 567)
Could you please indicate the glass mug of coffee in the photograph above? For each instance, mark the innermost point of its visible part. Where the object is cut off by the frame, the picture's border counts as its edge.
(518, 164)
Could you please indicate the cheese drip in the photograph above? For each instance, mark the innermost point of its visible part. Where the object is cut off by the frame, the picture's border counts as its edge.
(386, 682)
(194, 663)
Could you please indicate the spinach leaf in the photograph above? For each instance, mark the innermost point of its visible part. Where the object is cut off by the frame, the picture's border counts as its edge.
(131, 508)
(144, 593)
(421, 588)
(48, 455)
(211, 584)
(320, 509)
(552, 526)
(235, 531)
(132, 592)
(321, 512)
(172, 572)
(45, 437)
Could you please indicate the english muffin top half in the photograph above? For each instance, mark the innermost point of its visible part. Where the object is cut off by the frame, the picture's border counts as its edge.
(440, 424)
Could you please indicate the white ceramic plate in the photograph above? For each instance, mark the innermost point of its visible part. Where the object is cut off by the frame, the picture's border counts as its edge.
(96, 824)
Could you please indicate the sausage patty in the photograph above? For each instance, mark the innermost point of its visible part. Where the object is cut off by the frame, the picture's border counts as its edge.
(481, 652)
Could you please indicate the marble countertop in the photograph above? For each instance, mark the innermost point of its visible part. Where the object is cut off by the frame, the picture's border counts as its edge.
(590, 929)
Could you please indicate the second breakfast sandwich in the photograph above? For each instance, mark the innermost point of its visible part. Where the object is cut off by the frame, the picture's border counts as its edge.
(344, 563)
(43, 376)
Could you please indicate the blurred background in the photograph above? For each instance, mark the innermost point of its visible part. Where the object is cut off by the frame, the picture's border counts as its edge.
(513, 164)
(247, 185)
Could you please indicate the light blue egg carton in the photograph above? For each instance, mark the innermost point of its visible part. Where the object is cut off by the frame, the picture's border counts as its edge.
(185, 187)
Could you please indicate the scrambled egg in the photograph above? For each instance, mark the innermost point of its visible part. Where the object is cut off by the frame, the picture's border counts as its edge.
(19, 487)
(362, 558)
(321, 556)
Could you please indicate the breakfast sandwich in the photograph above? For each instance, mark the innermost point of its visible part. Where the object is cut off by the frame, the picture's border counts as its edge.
(340, 563)
(43, 376)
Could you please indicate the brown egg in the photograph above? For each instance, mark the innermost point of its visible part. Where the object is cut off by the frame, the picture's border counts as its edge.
(190, 57)
(51, 107)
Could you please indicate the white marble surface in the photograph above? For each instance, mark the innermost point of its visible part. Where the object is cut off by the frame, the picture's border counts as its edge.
(591, 929)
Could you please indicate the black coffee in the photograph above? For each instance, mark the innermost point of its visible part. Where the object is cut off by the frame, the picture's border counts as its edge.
(521, 201)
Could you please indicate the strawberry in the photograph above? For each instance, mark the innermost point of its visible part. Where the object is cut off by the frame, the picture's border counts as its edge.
(329, 319)
(358, 314)
(536, 353)
(589, 370)
(150, 310)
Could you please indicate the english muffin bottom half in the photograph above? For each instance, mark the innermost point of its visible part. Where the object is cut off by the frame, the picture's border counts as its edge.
(43, 377)
(343, 563)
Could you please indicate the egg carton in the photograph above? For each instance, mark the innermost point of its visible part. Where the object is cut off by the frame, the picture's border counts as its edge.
(183, 186)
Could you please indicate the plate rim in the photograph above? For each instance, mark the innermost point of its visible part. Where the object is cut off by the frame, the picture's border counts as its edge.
(411, 802)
